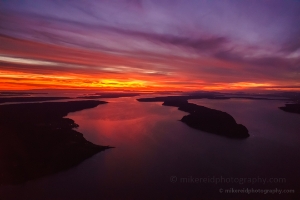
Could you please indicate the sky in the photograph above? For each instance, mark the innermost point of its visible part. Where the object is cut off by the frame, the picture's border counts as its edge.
(148, 45)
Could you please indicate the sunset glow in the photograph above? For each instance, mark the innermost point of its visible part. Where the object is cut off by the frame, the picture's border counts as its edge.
(75, 51)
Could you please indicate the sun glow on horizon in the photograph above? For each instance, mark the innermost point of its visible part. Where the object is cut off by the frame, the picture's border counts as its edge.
(11, 80)
(54, 67)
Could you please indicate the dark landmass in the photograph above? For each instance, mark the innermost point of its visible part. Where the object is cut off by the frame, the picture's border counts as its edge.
(36, 140)
(209, 120)
(30, 99)
(203, 118)
(292, 108)
(108, 95)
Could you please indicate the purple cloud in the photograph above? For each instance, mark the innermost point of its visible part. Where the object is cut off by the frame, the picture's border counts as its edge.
(259, 35)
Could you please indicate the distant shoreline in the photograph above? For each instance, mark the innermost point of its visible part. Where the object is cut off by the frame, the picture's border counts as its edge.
(30, 99)
(205, 96)
(15, 97)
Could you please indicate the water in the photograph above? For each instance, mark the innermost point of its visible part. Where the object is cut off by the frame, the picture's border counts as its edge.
(157, 156)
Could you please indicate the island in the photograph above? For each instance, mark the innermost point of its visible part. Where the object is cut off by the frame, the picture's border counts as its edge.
(37, 140)
(292, 108)
(206, 119)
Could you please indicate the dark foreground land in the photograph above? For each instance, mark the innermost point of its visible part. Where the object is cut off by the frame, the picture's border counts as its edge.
(207, 119)
(36, 140)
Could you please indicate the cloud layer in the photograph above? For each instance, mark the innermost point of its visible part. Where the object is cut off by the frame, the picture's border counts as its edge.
(206, 44)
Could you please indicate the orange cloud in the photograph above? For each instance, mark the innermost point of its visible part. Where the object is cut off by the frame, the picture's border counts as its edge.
(32, 65)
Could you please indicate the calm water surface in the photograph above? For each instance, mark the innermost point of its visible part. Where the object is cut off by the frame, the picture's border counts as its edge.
(154, 151)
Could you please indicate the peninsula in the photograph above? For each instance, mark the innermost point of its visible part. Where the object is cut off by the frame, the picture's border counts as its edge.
(36, 140)
(206, 119)
(292, 108)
